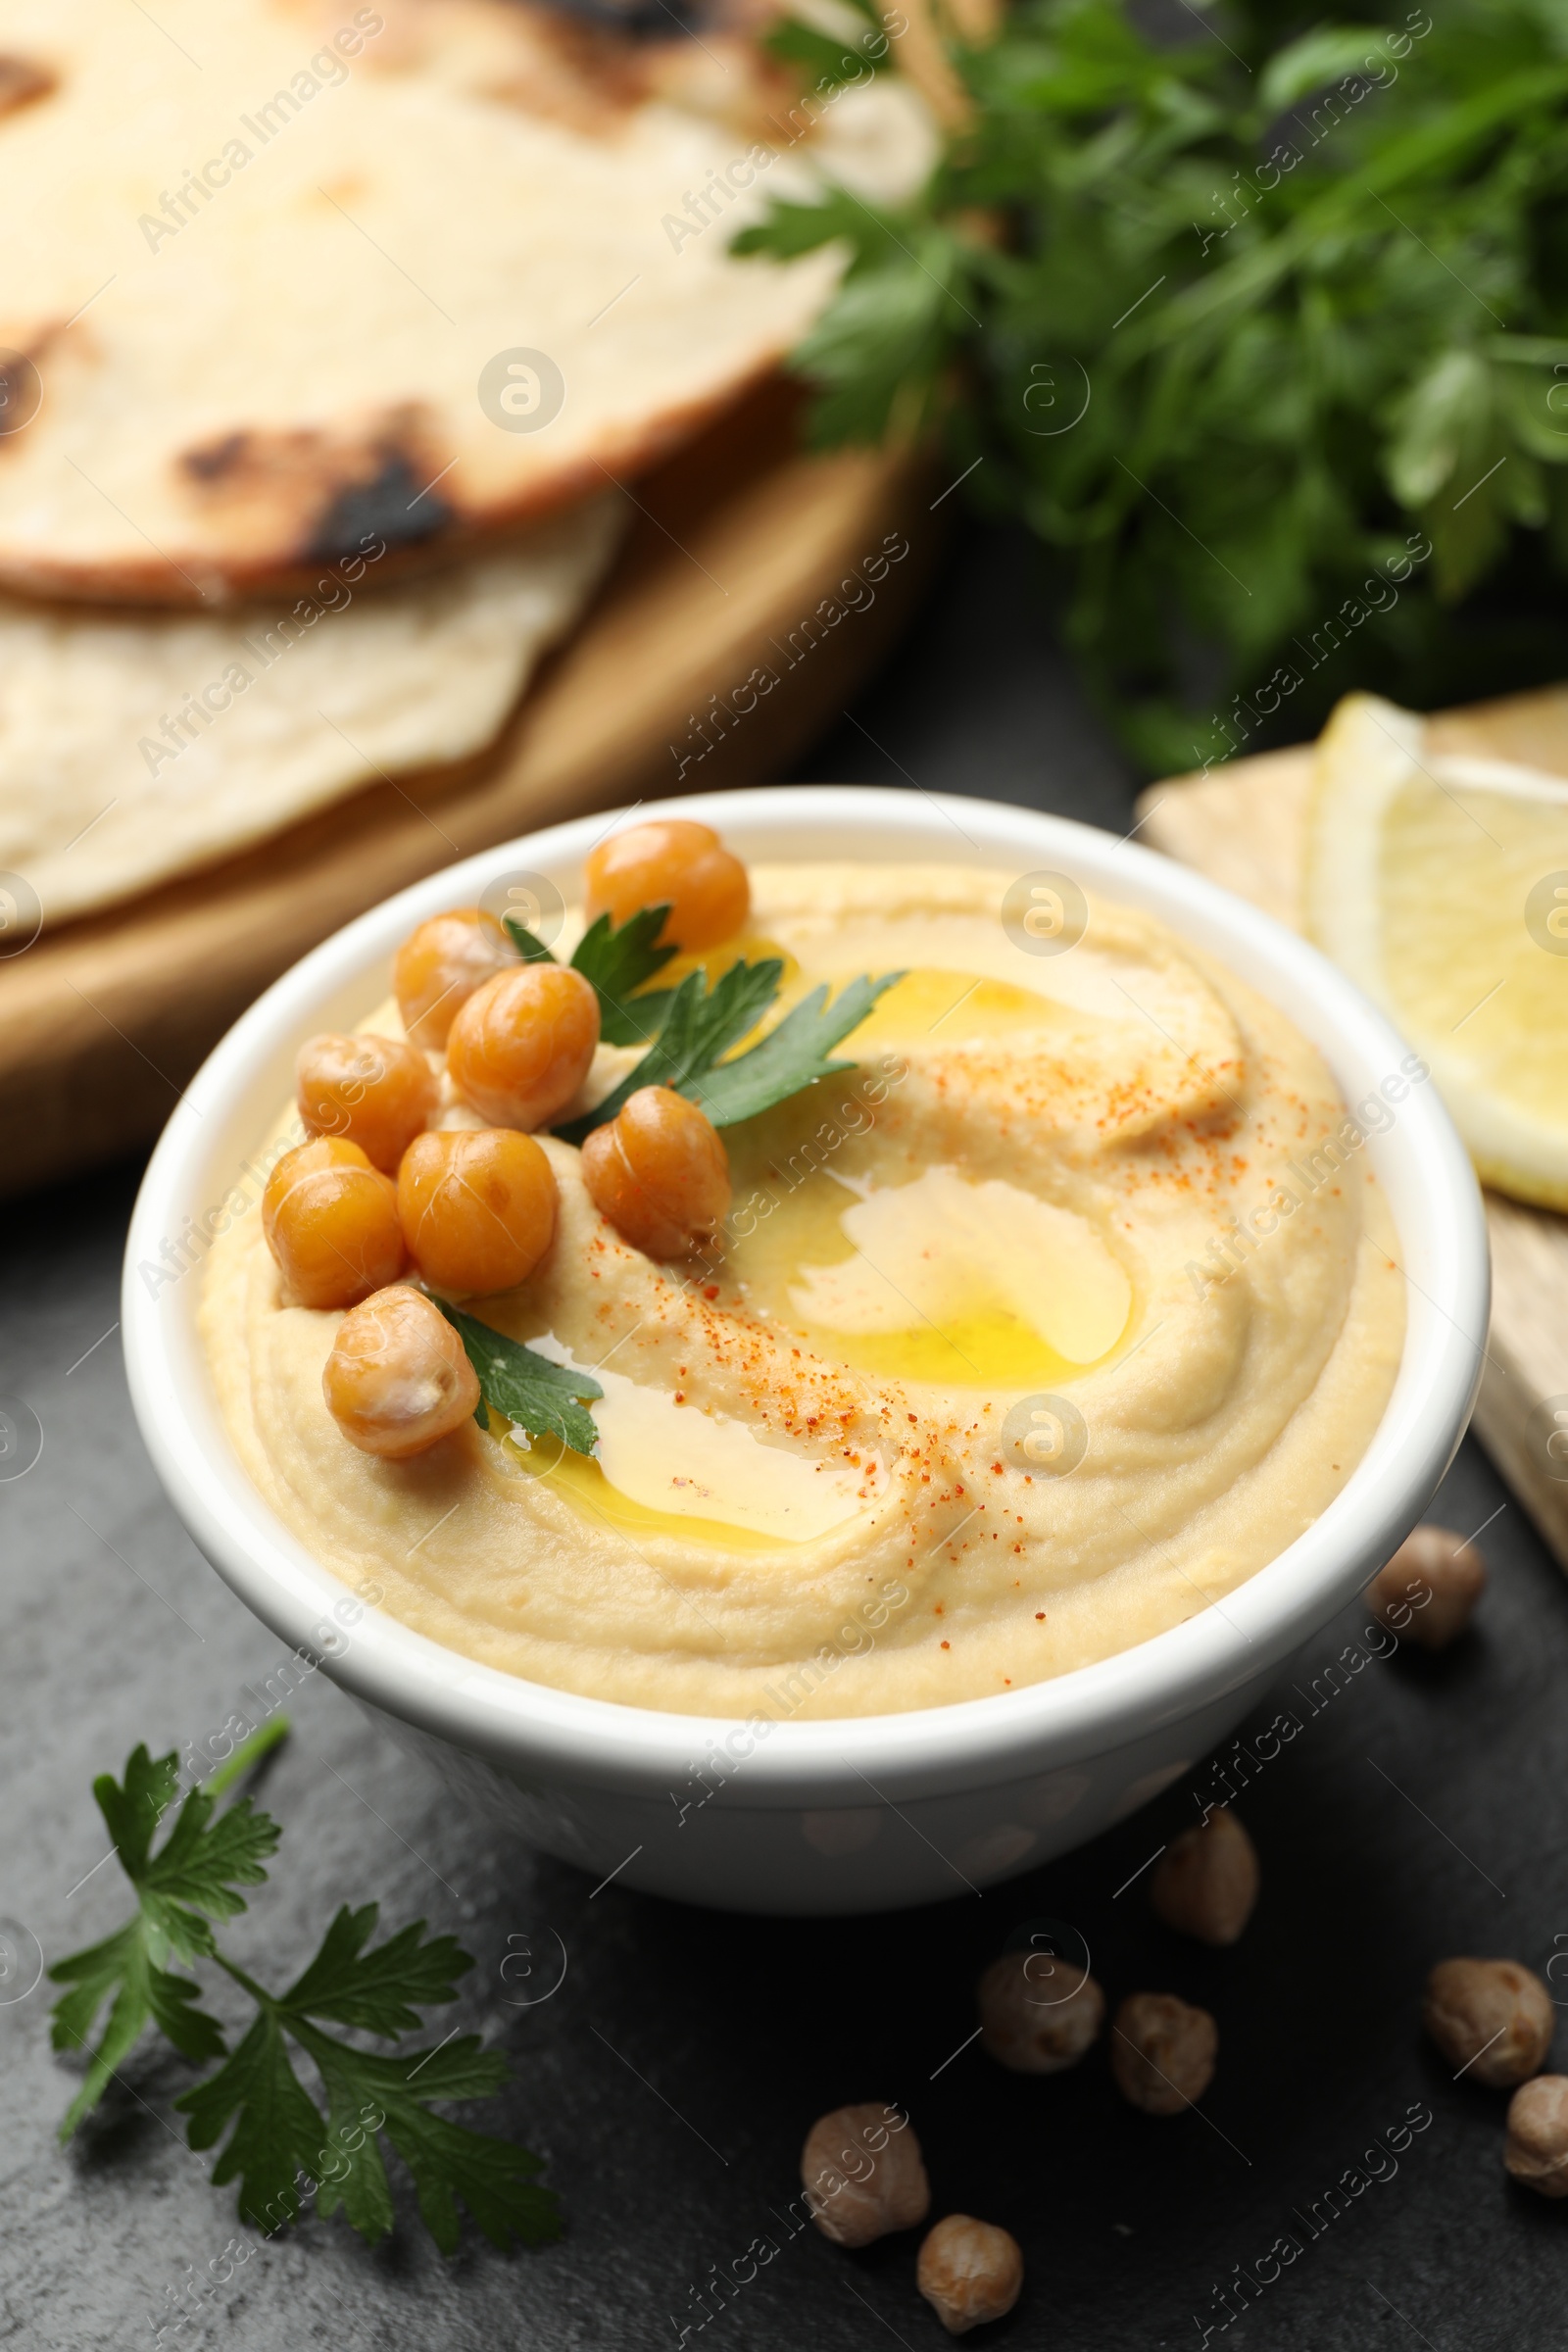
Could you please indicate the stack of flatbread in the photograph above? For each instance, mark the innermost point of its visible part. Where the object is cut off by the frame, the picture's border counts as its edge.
(329, 337)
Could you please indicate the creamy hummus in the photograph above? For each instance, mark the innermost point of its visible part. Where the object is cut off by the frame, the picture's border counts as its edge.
(1045, 1327)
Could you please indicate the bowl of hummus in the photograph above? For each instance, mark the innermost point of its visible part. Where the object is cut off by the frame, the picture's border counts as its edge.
(812, 1347)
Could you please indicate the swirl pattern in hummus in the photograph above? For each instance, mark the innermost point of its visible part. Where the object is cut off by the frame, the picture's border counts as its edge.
(1108, 1195)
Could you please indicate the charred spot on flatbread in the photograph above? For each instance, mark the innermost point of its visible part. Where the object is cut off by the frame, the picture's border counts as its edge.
(21, 81)
(392, 506)
(313, 495)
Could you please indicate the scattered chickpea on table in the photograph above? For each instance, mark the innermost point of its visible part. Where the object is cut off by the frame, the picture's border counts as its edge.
(1427, 1592)
(1207, 1881)
(1537, 2149)
(1037, 2021)
(1493, 2020)
(864, 2177)
(969, 2272)
(1162, 2052)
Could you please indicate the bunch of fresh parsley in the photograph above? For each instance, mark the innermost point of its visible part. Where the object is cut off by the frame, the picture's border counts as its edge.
(1259, 314)
(280, 2145)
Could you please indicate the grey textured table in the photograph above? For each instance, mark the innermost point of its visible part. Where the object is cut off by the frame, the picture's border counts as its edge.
(670, 2077)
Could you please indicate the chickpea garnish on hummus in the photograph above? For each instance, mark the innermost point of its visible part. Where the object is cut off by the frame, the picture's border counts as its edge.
(875, 1299)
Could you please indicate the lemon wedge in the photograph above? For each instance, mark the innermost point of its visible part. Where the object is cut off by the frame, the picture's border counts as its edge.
(1440, 884)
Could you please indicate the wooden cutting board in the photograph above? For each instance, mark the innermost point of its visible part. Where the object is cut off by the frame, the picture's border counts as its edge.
(735, 543)
(1244, 826)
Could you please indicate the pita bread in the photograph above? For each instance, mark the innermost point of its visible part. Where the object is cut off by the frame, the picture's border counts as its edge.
(272, 247)
(134, 746)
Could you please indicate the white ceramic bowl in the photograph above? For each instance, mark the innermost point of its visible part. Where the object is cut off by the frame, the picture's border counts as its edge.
(866, 1813)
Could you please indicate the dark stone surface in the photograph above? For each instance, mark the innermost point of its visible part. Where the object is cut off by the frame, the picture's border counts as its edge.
(670, 2077)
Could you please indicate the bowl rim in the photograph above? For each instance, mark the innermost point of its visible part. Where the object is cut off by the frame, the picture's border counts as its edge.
(606, 1744)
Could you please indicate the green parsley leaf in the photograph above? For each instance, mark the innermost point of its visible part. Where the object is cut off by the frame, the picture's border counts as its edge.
(824, 58)
(189, 1880)
(701, 1026)
(693, 1026)
(616, 964)
(705, 1023)
(193, 1876)
(619, 963)
(276, 2132)
(120, 1969)
(531, 949)
(791, 1056)
(377, 1989)
(791, 229)
(449, 2162)
(540, 1397)
(877, 354)
(638, 1019)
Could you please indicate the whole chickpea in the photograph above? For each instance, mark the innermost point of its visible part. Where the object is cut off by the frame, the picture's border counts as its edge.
(331, 1222)
(1536, 2150)
(1429, 1590)
(969, 2272)
(372, 1091)
(477, 1207)
(397, 1379)
(439, 967)
(520, 1046)
(1206, 1881)
(1162, 2052)
(675, 864)
(658, 1172)
(863, 2174)
(1492, 2019)
(1038, 2015)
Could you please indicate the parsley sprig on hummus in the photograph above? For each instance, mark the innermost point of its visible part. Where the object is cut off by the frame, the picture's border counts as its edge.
(616, 963)
(445, 1180)
(526, 1389)
(693, 1026)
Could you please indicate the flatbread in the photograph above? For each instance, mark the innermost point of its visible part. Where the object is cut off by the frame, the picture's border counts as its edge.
(262, 255)
(136, 745)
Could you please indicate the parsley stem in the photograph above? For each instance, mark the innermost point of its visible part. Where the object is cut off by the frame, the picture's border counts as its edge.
(250, 1751)
(258, 1992)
